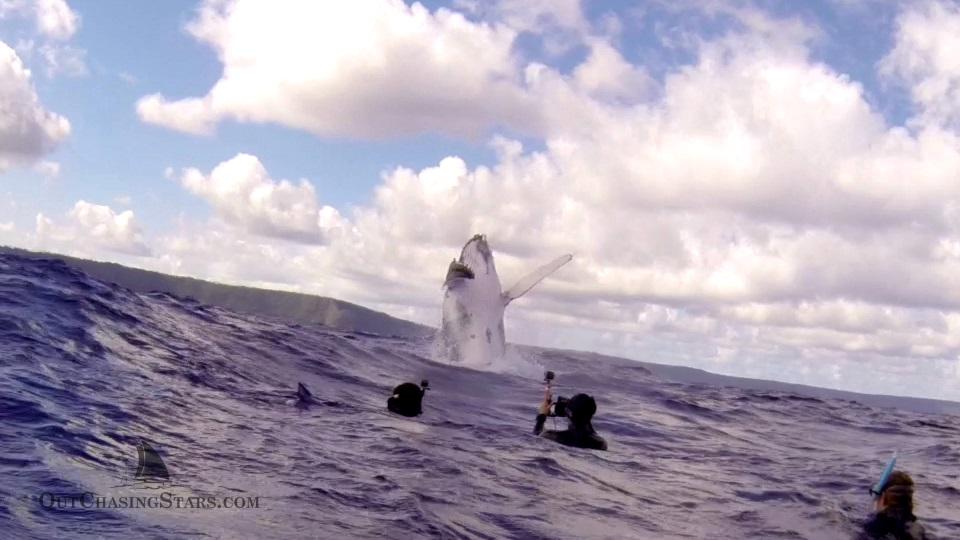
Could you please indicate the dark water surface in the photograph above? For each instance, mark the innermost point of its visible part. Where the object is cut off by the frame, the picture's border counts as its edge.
(87, 370)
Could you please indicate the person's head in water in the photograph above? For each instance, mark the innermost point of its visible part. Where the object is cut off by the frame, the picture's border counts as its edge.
(407, 399)
(580, 410)
(896, 496)
(894, 511)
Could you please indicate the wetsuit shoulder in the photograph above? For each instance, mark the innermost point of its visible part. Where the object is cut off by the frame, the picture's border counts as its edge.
(576, 439)
(592, 441)
(881, 526)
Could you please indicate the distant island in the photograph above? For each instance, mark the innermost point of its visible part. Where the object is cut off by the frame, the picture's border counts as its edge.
(282, 305)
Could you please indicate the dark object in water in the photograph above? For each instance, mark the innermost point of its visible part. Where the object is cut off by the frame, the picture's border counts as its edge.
(305, 399)
(560, 406)
(303, 395)
(407, 399)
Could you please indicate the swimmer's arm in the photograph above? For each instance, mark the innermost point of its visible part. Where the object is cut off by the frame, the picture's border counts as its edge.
(538, 426)
(542, 412)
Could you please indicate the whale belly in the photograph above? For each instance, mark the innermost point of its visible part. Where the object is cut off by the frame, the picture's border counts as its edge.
(470, 335)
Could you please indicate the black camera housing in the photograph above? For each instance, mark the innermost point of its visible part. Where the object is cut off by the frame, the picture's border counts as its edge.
(560, 407)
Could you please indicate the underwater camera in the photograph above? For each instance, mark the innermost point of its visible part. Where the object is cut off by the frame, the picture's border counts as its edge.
(560, 407)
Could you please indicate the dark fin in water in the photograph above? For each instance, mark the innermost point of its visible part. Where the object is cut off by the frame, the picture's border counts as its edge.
(303, 395)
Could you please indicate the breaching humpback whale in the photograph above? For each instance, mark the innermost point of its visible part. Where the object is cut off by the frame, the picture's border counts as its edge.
(473, 303)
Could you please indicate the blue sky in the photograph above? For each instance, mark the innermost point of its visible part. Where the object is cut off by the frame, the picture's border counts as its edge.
(765, 189)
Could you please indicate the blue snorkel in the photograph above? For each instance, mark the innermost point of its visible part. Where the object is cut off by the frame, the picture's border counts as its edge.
(878, 488)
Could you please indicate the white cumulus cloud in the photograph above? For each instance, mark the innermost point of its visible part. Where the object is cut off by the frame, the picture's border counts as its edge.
(925, 57)
(56, 23)
(55, 19)
(89, 225)
(27, 130)
(366, 68)
(242, 193)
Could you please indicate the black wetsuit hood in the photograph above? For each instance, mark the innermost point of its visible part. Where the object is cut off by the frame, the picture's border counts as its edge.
(406, 400)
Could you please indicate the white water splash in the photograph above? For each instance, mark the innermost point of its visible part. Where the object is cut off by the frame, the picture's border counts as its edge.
(514, 361)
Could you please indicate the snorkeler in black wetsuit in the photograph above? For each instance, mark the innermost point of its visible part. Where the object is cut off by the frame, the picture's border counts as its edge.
(894, 519)
(579, 410)
(407, 399)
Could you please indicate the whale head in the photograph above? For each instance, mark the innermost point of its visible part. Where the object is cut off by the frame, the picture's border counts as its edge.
(477, 255)
(476, 263)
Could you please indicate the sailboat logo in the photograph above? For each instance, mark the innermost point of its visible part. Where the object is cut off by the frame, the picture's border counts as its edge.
(151, 471)
(150, 467)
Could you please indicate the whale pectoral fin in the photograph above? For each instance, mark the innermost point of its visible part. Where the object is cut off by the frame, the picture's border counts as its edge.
(528, 281)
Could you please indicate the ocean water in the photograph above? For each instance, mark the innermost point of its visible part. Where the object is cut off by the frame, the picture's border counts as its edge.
(87, 370)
